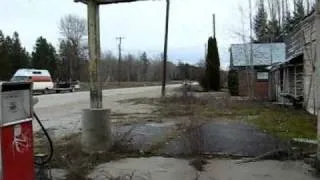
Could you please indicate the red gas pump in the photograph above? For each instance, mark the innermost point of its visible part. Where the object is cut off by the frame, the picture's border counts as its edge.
(16, 134)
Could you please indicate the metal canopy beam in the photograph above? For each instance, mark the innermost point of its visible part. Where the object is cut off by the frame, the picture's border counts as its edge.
(108, 1)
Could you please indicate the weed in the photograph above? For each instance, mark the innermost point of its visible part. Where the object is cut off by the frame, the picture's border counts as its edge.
(68, 154)
(198, 164)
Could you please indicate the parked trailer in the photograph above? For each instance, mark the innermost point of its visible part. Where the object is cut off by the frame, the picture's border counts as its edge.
(63, 86)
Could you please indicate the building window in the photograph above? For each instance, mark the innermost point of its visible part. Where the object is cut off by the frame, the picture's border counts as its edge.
(262, 75)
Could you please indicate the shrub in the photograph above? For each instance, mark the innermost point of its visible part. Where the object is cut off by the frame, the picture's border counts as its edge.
(233, 83)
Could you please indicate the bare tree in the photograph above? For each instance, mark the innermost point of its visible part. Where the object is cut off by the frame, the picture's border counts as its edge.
(73, 29)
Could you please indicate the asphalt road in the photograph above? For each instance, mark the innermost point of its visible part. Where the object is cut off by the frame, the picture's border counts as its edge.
(61, 113)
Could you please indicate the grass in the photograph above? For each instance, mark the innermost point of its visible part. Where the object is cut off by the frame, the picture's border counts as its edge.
(287, 123)
(284, 122)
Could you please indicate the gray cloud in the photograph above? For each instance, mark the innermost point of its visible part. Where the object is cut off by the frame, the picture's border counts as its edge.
(142, 23)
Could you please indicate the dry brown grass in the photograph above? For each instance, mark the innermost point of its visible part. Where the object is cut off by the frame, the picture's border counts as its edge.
(68, 154)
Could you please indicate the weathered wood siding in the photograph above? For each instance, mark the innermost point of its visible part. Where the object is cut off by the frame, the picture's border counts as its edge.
(302, 41)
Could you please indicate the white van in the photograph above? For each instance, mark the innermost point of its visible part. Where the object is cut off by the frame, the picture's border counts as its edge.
(41, 79)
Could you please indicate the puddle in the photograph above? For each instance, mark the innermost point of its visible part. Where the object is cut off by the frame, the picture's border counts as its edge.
(236, 139)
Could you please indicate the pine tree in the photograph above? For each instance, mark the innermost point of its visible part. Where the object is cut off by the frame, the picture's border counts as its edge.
(274, 31)
(212, 72)
(44, 56)
(288, 23)
(260, 23)
(18, 58)
(4, 58)
(299, 11)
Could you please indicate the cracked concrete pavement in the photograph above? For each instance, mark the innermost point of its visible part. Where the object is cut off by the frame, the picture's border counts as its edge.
(61, 114)
(159, 168)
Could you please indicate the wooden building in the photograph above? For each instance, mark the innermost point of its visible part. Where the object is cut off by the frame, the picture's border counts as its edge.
(295, 78)
(263, 56)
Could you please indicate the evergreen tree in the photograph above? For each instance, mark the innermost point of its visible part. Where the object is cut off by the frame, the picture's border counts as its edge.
(260, 23)
(274, 31)
(4, 58)
(44, 56)
(212, 72)
(18, 58)
(233, 83)
(288, 23)
(299, 11)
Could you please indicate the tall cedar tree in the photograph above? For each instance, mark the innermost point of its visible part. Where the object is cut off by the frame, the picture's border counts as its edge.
(212, 73)
(44, 56)
(260, 23)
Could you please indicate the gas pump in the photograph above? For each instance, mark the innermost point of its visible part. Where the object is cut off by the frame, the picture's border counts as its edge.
(16, 133)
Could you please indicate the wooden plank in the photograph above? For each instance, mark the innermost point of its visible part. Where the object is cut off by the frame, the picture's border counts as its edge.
(295, 81)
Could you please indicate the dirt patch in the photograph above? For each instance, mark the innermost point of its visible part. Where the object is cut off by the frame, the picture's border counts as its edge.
(198, 163)
(68, 155)
(132, 118)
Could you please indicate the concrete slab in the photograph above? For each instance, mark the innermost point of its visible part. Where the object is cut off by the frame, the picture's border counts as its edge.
(156, 168)
(262, 170)
(159, 168)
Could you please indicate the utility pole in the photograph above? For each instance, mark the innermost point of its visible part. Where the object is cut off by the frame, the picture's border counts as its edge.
(317, 71)
(205, 51)
(251, 95)
(119, 60)
(214, 25)
(165, 52)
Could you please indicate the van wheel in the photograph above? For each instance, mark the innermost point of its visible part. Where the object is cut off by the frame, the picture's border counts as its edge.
(46, 91)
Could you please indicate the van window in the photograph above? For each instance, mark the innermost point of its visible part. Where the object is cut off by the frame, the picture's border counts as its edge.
(36, 72)
(20, 78)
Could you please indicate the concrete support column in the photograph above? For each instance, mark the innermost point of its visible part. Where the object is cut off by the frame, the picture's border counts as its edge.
(96, 131)
(317, 84)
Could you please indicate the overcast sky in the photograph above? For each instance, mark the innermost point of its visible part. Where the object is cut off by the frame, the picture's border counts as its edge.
(142, 23)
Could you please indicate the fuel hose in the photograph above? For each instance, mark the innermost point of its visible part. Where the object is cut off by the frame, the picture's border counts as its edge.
(50, 155)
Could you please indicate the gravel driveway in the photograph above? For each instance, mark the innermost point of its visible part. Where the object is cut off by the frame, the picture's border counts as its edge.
(61, 113)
